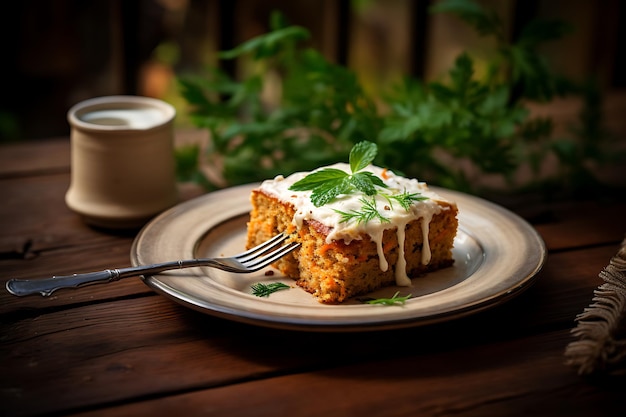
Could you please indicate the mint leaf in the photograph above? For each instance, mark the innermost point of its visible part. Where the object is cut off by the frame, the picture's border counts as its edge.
(326, 193)
(361, 155)
(318, 179)
(366, 181)
(328, 183)
(325, 185)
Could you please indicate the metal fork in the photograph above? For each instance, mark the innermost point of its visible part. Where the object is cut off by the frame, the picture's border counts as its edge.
(251, 260)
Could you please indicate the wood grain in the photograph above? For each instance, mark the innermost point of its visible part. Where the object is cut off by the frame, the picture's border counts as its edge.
(121, 349)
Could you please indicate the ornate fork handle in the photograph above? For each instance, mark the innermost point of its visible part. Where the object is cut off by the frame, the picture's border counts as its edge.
(47, 286)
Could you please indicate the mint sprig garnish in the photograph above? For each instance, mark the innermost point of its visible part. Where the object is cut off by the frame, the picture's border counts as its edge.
(326, 184)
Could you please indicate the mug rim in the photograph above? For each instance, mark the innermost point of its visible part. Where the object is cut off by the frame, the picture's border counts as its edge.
(118, 102)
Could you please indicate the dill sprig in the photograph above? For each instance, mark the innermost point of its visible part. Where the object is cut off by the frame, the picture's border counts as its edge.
(405, 199)
(367, 213)
(394, 300)
(264, 290)
(369, 210)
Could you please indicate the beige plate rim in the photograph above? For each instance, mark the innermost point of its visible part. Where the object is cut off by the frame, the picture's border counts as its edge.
(497, 256)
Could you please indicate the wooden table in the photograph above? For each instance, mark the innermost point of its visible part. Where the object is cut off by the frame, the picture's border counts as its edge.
(121, 349)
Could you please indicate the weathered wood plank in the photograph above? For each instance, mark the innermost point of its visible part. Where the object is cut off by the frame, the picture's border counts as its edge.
(38, 240)
(477, 381)
(19, 159)
(64, 254)
(35, 206)
(150, 346)
(124, 336)
(588, 223)
(53, 155)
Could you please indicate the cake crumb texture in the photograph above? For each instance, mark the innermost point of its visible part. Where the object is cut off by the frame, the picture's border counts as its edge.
(336, 271)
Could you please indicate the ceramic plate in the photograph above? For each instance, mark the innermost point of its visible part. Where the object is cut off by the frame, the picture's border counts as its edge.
(497, 255)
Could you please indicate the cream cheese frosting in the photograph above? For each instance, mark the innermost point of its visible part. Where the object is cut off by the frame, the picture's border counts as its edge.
(329, 214)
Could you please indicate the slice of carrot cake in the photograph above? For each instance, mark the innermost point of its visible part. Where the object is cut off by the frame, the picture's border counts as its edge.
(361, 227)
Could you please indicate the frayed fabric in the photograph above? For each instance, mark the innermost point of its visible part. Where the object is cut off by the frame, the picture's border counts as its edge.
(601, 328)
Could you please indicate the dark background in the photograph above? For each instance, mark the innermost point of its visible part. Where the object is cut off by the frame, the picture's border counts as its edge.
(57, 53)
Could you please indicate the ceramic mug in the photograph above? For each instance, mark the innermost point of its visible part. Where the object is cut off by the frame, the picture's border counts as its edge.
(122, 163)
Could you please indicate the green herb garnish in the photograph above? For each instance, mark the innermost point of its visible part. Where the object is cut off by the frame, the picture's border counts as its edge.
(367, 213)
(264, 290)
(394, 300)
(405, 199)
(326, 184)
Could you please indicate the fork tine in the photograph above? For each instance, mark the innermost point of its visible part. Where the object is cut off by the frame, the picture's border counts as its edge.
(260, 263)
(262, 249)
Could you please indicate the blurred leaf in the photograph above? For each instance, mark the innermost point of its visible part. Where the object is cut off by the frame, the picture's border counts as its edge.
(319, 110)
(539, 31)
(267, 45)
(186, 162)
(485, 22)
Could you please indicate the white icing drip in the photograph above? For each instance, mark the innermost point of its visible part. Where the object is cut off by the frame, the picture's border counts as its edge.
(348, 231)
(402, 279)
(377, 237)
(426, 255)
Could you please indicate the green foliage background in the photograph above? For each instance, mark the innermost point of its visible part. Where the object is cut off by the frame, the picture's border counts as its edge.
(426, 129)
